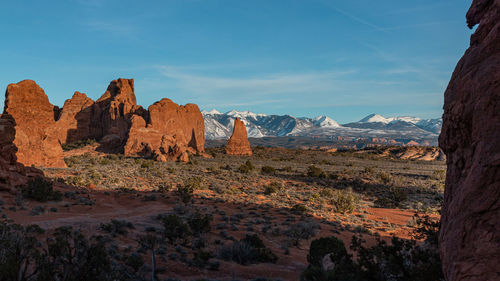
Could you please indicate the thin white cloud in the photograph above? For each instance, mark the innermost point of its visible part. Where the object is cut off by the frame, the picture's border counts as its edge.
(281, 83)
(308, 90)
(353, 16)
(359, 20)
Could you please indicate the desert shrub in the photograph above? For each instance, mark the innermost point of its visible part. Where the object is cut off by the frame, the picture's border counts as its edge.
(345, 201)
(439, 174)
(246, 168)
(395, 196)
(399, 260)
(94, 176)
(268, 170)
(174, 228)
(249, 250)
(77, 144)
(302, 231)
(71, 253)
(325, 162)
(117, 227)
(369, 170)
(343, 269)
(146, 164)
(105, 161)
(273, 187)
(334, 176)
(186, 191)
(327, 193)
(194, 183)
(135, 261)
(199, 223)
(299, 209)
(201, 258)
(385, 178)
(77, 181)
(164, 187)
(20, 249)
(426, 229)
(323, 246)
(315, 172)
(40, 190)
(66, 254)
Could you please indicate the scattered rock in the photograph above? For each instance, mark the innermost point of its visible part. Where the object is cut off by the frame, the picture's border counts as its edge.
(238, 144)
(470, 228)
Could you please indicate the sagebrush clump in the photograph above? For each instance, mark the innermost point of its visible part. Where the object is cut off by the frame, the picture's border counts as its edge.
(41, 190)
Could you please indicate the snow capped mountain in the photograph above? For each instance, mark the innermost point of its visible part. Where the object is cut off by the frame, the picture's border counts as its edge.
(220, 126)
(211, 112)
(401, 123)
(375, 118)
(326, 122)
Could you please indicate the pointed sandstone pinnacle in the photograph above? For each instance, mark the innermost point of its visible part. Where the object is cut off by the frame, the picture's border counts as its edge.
(238, 144)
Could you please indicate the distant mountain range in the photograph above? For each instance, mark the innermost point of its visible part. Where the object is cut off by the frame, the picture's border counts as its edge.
(220, 125)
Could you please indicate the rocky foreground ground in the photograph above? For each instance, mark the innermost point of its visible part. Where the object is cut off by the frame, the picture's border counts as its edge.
(286, 197)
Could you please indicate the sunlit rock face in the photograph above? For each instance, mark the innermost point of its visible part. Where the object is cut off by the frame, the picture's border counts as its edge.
(238, 144)
(34, 121)
(166, 131)
(170, 134)
(470, 224)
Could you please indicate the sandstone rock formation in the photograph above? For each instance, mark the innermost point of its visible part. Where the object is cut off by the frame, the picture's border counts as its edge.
(34, 116)
(166, 131)
(238, 144)
(113, 110)
(74, 121)
(421, 153)
(470, 223)
(170, 133)
(12, 174)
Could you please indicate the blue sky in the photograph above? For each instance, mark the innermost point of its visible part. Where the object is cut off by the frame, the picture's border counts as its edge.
(344, 59)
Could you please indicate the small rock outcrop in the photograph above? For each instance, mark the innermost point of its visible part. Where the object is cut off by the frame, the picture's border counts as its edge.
(172, 131)
(238, 144)
(470, 229)
(34, 118)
